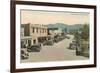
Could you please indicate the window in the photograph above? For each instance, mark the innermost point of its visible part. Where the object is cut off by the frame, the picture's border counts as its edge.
(37, 30)
(33, 30)
(40, 30)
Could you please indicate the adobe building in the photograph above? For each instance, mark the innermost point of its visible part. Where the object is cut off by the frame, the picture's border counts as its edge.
(33, 34)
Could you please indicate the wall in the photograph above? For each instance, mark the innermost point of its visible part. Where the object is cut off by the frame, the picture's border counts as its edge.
(5, 37)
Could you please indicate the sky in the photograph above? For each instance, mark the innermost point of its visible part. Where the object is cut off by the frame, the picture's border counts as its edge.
(51, 17)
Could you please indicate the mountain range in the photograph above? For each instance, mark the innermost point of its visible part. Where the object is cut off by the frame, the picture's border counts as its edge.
(65, 27)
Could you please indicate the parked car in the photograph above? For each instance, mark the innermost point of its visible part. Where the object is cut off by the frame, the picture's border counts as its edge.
(72, 46)
(49, 42)
(56, 40)
(67, 37)
(34, 48)
(61, 38)
(24, 53)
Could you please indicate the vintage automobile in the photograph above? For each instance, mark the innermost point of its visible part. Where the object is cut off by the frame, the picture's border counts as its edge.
(34, 48)
(67, 37)
(49, 42)
(72, 45)
(24, 53)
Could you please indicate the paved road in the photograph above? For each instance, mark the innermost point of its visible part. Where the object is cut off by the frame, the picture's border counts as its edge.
(57, 52)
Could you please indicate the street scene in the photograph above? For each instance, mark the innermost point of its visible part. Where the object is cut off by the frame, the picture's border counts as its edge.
(58, 52)
(61, 36)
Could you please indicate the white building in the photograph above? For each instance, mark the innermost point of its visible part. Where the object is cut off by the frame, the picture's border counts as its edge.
(33, 34)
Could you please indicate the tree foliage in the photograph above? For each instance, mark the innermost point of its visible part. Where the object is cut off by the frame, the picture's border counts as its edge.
(82, 33)
(85, 32)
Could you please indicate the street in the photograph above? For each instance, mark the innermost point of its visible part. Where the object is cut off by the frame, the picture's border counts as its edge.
(57, 52)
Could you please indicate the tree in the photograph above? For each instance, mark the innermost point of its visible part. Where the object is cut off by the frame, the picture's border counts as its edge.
(85, 32)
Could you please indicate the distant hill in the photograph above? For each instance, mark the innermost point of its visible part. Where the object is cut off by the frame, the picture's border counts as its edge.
(57, 25)
(65, 27)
